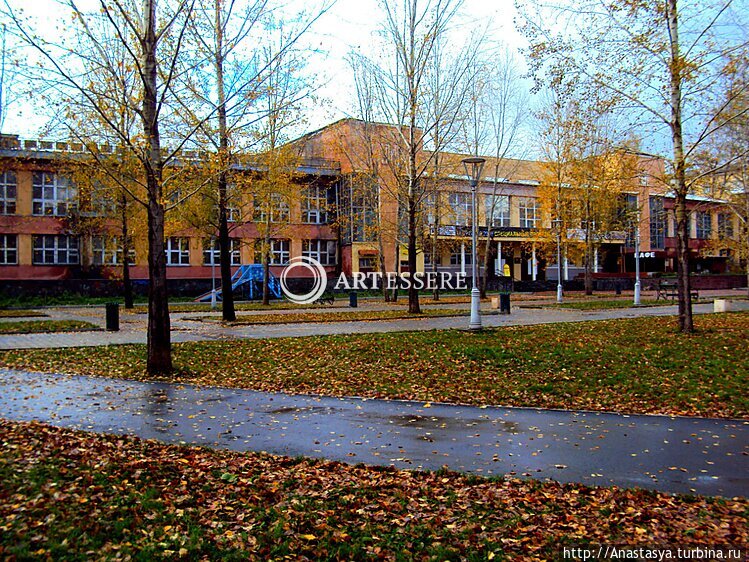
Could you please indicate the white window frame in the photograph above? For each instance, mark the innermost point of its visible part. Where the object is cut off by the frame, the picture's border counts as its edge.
(8, 192)
(107, 251)
(498, 211)
(212, 253)
(703, 219)
(323, 251)
(55, 249)
(52, 195)
(461, 204)
(8, 249)
(177, 251)
(279, 209)
(315, 204)
(528, 211)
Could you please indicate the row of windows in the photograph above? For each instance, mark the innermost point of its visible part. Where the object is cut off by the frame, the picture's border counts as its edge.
(497, 210)
(55, 195)
(64, 250)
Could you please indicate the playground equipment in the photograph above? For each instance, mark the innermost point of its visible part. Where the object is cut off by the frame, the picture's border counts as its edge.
(250, 279)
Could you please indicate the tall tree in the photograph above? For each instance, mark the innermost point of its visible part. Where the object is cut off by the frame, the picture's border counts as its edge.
(94, 83)
(660, 60)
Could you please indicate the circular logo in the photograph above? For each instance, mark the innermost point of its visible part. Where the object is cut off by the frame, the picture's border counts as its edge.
(318, 274)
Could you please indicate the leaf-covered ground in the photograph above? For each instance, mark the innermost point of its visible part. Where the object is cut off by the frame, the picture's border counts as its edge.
(631, 365)
(42, 326)
(68, 495)
(20, 313)
(343, 316)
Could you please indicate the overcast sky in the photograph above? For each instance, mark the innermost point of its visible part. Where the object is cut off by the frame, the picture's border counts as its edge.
(350, 24)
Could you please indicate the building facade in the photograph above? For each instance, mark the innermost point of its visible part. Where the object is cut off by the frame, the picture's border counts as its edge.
(348, 214)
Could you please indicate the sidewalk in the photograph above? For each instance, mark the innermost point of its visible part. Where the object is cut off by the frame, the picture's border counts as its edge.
(684, 455)
(133, 326)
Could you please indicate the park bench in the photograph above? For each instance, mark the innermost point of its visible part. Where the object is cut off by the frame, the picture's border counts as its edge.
(670, 289)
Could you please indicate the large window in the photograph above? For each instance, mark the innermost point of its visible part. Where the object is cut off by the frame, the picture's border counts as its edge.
(323, 251)
(657, 223)
(53, 195)
(725, 226)
(278, 252)
(276, 204)
(8, 249)
(704, 224)
(462, 208)
(177, 251)
(314, 205)
(212, 255)
(8, 188)
(498, 210)
(55, 250)
(107, 250)
(529, 211)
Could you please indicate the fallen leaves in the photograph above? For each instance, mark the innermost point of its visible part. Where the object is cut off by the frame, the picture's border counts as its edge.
(144, 498)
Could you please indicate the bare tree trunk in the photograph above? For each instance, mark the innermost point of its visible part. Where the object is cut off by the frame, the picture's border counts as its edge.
(588, 260)
(159, 338)
(682, 218)
(224, 243)
(413, 294)
(394, 294)
(127, 284)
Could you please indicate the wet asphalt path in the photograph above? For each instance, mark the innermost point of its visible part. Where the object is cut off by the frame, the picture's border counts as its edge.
(689, 455)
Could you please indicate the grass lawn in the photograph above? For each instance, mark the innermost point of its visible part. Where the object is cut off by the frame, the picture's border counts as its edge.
(15, 313)
(43, 326)
(77, 496)
(632, 365)
(342, 316)
(600, 304)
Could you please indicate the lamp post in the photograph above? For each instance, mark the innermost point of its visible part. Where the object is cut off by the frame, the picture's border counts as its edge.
(213, 273)
(557, 224)
(637, 260)
(473, 167)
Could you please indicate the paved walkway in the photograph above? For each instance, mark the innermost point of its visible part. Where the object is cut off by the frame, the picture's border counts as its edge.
(185, 328)
(706, 456)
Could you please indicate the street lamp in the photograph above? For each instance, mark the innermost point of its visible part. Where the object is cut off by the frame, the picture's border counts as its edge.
(557, 224)
(637, 260)
(473, 167)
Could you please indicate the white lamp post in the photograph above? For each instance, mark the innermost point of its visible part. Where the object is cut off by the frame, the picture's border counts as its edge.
(557, 224)
(637, 260)
(213, 273)
(473, 167)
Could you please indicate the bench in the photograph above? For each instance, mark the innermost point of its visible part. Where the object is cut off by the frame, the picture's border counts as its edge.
(670, 289)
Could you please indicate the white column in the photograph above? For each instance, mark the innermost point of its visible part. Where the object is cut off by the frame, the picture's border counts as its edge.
(534, 263)
(498, 265)
(595, 259)
(463, 258)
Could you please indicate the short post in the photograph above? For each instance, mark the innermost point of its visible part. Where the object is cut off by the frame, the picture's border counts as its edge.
(112, 316)
(352, 300)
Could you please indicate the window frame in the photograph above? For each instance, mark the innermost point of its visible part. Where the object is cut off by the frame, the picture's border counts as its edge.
(8, 204)
(63, 195)
(211, 252)
(525, 205)
(325, 251)
(182, 253)
(71, 249)
(6, 250)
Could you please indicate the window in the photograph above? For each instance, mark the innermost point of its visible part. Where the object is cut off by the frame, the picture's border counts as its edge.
(704, 224)
(462, 208)
(279, 209)
(528, 209)
(52, 195)
(657, 223)
(55, 250)
(628, 217)
(314, 205)
(8, 189)
(725, 226)
(278, 252)
(211, 253)
(107, 250)
(455, 256)
(177, 251)
(232, 214)
(366, 263)
(8, 249)
(498, 211)
(323, 251)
